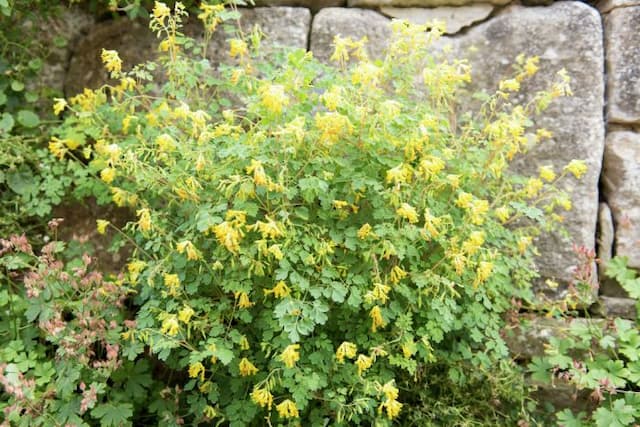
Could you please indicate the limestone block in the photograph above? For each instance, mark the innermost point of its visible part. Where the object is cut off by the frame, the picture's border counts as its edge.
(606, 233)
(622, 30)
(606, 6)
(621, 182)
(528, 340)
(455, 18)
(616, 307)
(565, 35)
(314, 5)
(354, 23)
(420, 3)
(282, 26)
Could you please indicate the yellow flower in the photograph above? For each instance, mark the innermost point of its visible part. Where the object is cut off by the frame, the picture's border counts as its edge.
(108, 175)
(244, 343)
(208, 411)
(458, 260)
(144, 219)
(259, 175)
(172, 282)
(269, 230)
(565, 202)
(408, 348)
(577, 168)
(237, 47)
(346, 349)
(503, 213)
(134, 268)
(290, 355)
(185, 314)
(407, 212)
(243, 300)
(332, 98)
(533, 187)
(364, 231)
(195, 370)
(531, 66)
(340, 49)
(161, 11)
(464, 200)
(287, 409)
(454, 180)
(389, 390)
(477, 210)
(380, 293)
(57, 147)
(127, 83)
(189, 248)
(431, 166)
(363, 363)
(276, 252)
(376, 319)
(392, 406)
(524, 243)
(511, 85)
(59, 105)
(431, 223)
(474, 243)
(262, 397)
(228, 236)
(170, 326)
(280, 290)
(543, 134)
(400, 174)
(333, 126)
(483, 272)
(340, 204)
(102, 225)
(397, 274)
(247, 368)
(274, 98)
(111, 61)
(366, 74)
(165, 142)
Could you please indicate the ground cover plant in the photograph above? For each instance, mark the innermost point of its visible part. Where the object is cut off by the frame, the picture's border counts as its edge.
(314, 244)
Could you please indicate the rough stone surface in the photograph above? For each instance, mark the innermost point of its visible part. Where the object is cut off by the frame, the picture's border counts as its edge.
(529, 340)
(420, 3)
(71, 24)
(354, 23)
(615, 307)
(314, 5)
(623, 64)
(79, 229)
(621, 182)
(554, 33)
(134, 42)
(606, 233)
(606, 6)
(282, 26)
(455, 18)
(605, 239)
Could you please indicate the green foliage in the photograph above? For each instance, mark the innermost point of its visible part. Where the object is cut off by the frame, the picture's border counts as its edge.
(314, 244)
(601, 358)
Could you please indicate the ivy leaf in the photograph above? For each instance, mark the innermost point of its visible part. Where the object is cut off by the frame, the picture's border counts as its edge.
(566, 418)
(112, 414)
(621, 415)
(28, 119)
(6, 122)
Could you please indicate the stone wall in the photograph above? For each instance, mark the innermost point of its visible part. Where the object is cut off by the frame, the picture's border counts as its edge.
(598, 44)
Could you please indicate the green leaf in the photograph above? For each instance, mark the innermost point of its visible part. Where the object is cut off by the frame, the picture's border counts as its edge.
(566, 418)
(620, 415)
(28, 119)
(17, 86)
(6, 122)
(113, 415)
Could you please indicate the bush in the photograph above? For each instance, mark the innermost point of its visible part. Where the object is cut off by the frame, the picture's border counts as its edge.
(314, 244)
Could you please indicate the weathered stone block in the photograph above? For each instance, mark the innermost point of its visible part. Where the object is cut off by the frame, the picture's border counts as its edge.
(606, 6)
(354, 23)
(420, 3)
(530, 338)
(623, 64)
(282, 26)
(314, 5)
(615, 307)
(554, 33)
(455, 18)
(621, 183)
